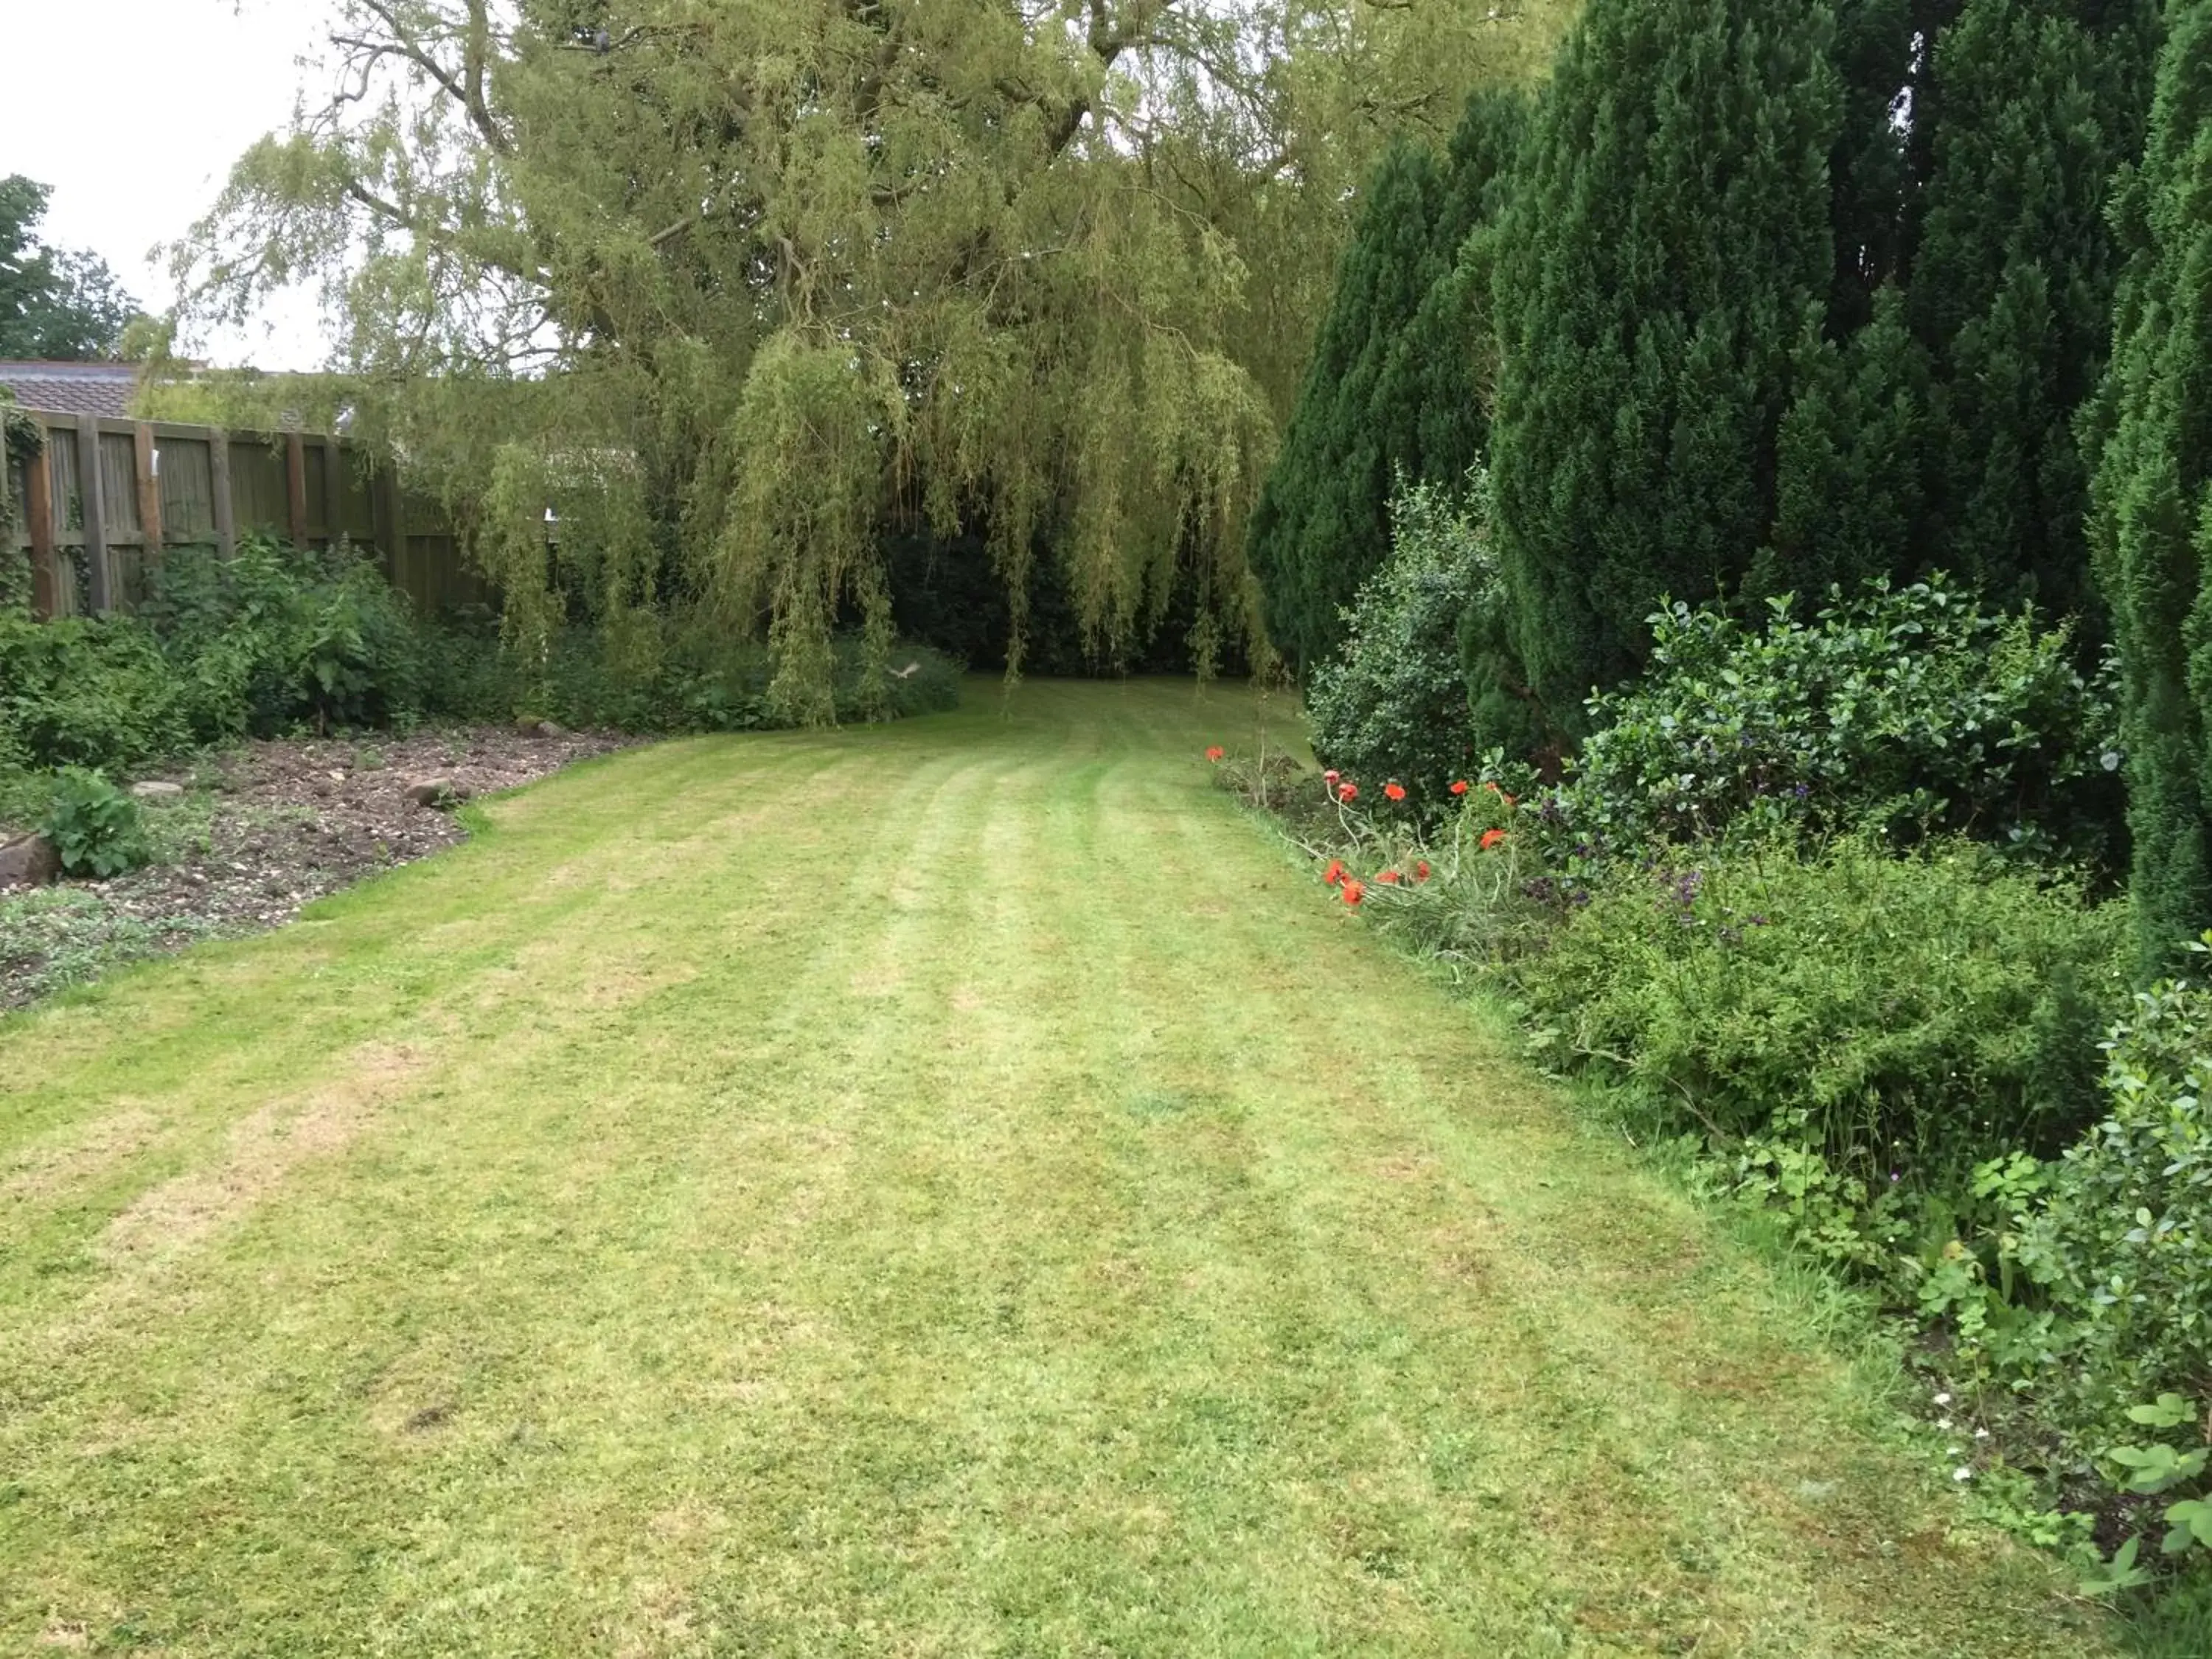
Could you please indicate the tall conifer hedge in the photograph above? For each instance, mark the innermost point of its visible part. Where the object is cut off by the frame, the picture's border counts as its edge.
(1794, 295)
(2151, 530)
(1666, 253)
(1395, 382)
(2033, 104)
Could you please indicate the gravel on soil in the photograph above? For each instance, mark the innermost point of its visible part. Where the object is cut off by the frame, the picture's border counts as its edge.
(261, 830)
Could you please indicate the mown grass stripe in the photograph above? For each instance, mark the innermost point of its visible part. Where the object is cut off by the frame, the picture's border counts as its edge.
(949, 1188)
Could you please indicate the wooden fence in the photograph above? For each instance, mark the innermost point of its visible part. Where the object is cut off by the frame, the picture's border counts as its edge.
(108, 497)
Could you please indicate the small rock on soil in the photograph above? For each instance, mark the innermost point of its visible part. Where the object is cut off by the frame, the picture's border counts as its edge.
(437, 792)
(28, 861)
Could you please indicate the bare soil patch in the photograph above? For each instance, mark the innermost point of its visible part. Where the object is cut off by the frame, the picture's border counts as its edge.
(261, 830)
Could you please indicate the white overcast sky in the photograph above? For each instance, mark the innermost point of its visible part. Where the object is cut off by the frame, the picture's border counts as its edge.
(133, 111)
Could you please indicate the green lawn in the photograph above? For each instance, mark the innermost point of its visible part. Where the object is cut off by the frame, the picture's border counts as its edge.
(954, 1188)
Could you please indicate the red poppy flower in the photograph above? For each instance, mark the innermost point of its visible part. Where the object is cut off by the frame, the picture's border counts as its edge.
(1330, 776)
(1216, 752)
(1347, 792)
(1394, 790)
(1491, 787)
(1353, 892)
(1335, 873)
(1490, 838)
(1460, 787)
(1388, 877)
(1421, 871)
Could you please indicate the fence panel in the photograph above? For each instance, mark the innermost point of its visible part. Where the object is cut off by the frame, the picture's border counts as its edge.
(258, 494)
(317, 473)
(118, 485)
(352, 507)
(61, 469)
(187, 475)
(201, 485)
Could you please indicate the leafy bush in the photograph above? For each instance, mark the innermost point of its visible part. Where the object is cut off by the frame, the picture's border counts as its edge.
(1393, 704)
(1912, 712)
(24, 795)
(2121, 1243)
(1898, 1018)
(277, 636)
(87, 692)
(2159, 1469)
(649, 674)
(256, 645)
(95, 828)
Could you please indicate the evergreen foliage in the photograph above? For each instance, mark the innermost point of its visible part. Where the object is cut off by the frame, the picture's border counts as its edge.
(1781, 309)
(2152, 526)
(1667, 252)
(2033, 104)
(1901, 713)
(1396, 385)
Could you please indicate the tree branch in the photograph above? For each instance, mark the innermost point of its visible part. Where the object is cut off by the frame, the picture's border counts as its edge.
(467, 87)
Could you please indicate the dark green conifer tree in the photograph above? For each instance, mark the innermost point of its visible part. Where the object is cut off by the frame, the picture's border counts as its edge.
(2150, 431)
(1849, 458)
(1667, 249)
(2029, 108)
(1394, 385)
(1439, 377)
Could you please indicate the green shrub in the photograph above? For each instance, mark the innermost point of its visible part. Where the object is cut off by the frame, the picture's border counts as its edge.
(1395, 383)
(277, 636)
(256, 645)
(89, 692)
(24, 795)
(654, 675)
(95, 828)
(1900, 1017)
(2122, 1244)
(1392, 705)
(1911, 713)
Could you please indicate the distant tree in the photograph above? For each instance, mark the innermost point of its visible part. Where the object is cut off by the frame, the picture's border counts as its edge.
(2151, 529)
(1667, 251)
(1394, 387)
(54, 303)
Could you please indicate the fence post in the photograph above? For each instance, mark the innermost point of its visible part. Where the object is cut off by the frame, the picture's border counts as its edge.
(150, 490)
(93, 506)
(395, 524)
(295, 487)
(226, 522)
(39, 512)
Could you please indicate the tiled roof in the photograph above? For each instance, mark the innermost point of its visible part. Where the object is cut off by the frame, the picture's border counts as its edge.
(71, 388)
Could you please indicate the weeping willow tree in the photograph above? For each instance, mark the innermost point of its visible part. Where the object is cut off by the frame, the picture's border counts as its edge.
(759, 277)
